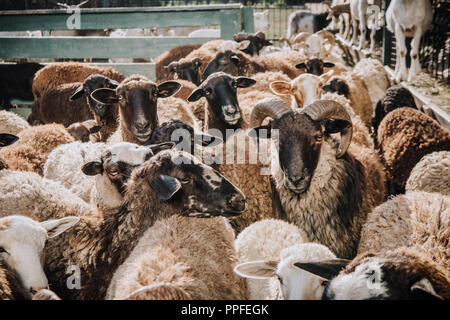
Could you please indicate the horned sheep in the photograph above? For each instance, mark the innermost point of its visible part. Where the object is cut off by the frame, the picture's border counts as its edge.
(309, 164)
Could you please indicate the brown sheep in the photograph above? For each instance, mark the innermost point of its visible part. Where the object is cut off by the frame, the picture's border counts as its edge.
(34, 146)
(67, 72)
(55, 106)
(406, 135)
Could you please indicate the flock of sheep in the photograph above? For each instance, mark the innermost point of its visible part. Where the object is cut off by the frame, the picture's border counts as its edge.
(98, 200)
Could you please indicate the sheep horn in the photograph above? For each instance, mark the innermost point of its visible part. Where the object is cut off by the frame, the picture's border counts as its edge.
(268, 107)
(327, 35)
(329, 109)
(301, 37)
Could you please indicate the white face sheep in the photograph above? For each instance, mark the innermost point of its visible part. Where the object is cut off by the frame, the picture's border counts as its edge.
(114, 169)
(295, 284)
(22, 242)
(401, 274)
(408, 18)
(304, 90)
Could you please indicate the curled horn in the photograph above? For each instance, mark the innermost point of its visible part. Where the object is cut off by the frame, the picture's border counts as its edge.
(329, 109)
(301, 37)
(261, 35)
(240, 36)
(268, 107)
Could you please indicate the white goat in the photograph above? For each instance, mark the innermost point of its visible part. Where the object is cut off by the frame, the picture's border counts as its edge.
(408, 18)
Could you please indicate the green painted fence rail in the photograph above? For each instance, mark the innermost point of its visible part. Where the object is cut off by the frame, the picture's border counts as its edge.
(231, 18)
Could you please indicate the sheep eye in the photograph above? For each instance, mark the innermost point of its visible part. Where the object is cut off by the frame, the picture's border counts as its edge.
(318, 137)
(324, 283)
(185, 181)
(121, 97)
(208, 91)
(234, 84)
(113, 173)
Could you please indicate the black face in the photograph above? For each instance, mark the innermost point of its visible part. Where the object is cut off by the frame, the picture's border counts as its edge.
(91, 83)
(138, 104)
(300, 141)
(187, 71)
(256, 43)
(220, 92)
(337, 85)
(227, 62)
(314, 66)
(202, 190)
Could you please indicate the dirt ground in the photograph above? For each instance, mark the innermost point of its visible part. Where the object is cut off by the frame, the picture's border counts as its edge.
(436, 90)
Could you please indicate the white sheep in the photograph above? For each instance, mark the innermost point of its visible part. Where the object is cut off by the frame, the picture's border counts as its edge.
(22, 242)
(11, 122)
(431, 174)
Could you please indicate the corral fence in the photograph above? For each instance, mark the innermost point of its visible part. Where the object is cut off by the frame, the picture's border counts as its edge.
(434, 52)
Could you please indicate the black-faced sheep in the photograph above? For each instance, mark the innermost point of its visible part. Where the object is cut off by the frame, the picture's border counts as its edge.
(140, 108)
(257, 42)
(323, 189)
(185, 70)
(406, 135)
(106, 115)
(170, 183)
(174, 54)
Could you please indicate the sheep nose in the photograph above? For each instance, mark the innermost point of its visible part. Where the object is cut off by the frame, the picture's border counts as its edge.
(142, 126)
(237, 202)
(229, 110)
(297, 179)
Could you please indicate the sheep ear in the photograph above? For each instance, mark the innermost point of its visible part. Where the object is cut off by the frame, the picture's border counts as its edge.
(326, 269)
(105, 95)
(196, 94)
(301, 65)
(92, 168)
(243, 45)
(161, 146)
(280, 87)
(328, 64)
(244, 82)
(257, 269)
(166, 186)
(56, 227)
(6, 139)
(78, 93)
(168, 88)
(326, 76)
(424, 290)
